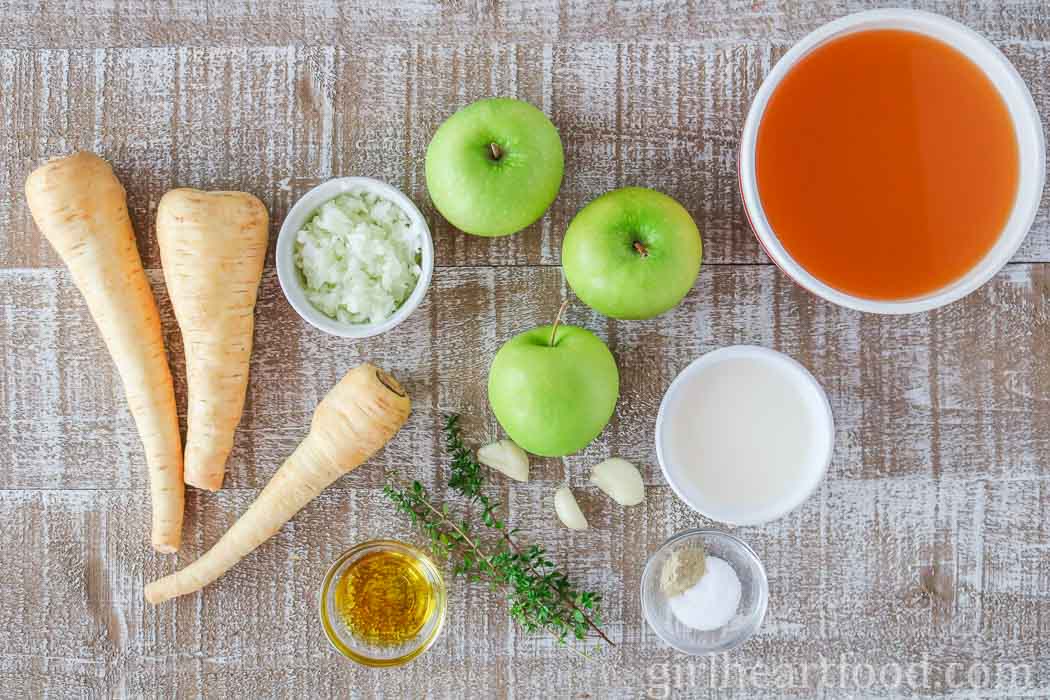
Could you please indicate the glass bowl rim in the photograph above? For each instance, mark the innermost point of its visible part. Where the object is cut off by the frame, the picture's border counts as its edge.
(749, 553)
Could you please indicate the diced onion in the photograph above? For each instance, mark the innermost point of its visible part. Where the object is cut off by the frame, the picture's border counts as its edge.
(359, 256)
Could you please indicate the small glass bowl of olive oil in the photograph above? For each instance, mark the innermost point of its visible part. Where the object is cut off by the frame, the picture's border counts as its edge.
(382, 603)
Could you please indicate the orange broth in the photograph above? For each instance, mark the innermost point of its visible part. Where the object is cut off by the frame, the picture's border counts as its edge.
(887, 164)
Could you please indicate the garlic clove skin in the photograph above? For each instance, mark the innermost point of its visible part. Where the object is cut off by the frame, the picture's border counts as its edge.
(507, 458)
(568, 509)
(619, 480)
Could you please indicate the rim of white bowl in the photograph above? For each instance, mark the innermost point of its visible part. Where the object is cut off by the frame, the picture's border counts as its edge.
(789, 365)
(288, 275)
(1028, 129)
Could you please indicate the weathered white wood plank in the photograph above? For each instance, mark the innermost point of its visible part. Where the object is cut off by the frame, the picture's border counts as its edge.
(825, 588)
(957, 393)
(103, 23)
(277, 120)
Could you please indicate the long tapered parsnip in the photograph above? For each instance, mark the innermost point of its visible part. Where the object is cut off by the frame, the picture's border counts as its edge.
(212, 247)
(80, 207)
(358, 416)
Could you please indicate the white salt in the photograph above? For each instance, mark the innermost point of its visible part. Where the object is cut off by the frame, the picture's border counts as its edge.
(712, 601)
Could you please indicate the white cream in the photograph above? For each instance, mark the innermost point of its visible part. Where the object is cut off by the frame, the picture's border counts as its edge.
(745, 435)
(712, 601)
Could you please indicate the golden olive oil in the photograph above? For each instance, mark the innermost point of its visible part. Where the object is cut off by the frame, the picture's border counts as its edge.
(385, 598)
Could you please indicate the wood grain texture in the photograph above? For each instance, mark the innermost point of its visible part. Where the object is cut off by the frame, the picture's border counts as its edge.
(927, 544)
(275, 121)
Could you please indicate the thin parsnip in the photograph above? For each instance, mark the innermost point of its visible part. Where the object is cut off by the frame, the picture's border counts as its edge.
(80, 207)
(212, 248)
(354, 420)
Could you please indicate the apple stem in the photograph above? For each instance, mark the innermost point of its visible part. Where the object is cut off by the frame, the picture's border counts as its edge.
(642, 250)
(557, 321)
(496, 151)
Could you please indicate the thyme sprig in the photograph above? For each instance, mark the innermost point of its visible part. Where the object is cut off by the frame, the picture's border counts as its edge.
(467, 479)
(540, 595)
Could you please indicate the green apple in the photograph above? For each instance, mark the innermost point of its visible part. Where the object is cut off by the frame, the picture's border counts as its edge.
(494, 166)
(632, 253)
(553, 398)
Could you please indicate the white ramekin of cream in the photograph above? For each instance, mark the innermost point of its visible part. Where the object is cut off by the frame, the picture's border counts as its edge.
(744, 435)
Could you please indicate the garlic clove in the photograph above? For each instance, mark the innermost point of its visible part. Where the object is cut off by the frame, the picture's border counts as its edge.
(568, 509)
(620, 480)
(507, 458)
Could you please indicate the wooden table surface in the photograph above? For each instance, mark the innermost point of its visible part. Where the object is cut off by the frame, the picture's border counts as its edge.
(926, 550)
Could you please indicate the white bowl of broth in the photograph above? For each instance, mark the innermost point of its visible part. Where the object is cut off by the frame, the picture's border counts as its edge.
(892, 161)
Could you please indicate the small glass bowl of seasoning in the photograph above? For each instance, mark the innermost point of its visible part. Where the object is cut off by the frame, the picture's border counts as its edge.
(382, 603)
(704, 592)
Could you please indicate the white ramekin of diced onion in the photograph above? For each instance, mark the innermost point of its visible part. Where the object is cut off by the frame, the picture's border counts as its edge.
(354, 257)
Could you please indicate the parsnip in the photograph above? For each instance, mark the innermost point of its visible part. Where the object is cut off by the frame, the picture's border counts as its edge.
(80, 207)
(212, 247)
(357, 417)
